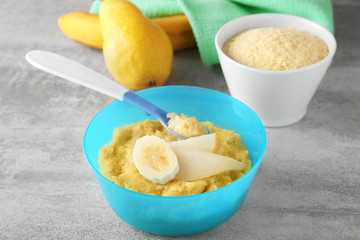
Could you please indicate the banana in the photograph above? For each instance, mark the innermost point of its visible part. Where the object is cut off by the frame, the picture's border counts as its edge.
(154, 159)
(85, 28)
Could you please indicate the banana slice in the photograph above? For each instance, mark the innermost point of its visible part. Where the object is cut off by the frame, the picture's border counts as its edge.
(196, 165)
(203, 143)
(155, 160)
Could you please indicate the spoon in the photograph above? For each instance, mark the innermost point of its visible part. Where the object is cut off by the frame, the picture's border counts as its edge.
(70, 70)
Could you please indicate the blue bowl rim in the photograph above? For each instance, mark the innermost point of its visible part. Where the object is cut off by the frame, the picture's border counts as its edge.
(253, 167)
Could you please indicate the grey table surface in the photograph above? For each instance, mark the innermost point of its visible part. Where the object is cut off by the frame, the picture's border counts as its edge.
(307, 187)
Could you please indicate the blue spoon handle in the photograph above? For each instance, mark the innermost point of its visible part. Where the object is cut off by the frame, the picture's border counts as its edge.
(146, 106)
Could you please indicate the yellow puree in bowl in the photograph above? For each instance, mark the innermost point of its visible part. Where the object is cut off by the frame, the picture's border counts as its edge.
(115, 161)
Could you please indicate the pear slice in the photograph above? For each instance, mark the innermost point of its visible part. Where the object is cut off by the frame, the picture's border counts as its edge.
(195, 165)
(203, 143)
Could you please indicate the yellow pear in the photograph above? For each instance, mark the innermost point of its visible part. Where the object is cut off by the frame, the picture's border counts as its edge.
(137, 51)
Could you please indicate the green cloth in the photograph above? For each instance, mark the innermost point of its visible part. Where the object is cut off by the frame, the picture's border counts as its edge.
(207, 16)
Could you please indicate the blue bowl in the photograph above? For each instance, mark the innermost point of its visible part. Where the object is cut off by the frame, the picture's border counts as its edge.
(187, 214)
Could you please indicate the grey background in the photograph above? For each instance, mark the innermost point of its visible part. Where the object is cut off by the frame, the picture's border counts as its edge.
(307, 187)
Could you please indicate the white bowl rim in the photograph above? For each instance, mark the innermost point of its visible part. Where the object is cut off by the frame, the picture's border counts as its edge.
(255, 16)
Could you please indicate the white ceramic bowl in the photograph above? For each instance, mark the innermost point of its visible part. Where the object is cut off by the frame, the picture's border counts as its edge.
(279, 98)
